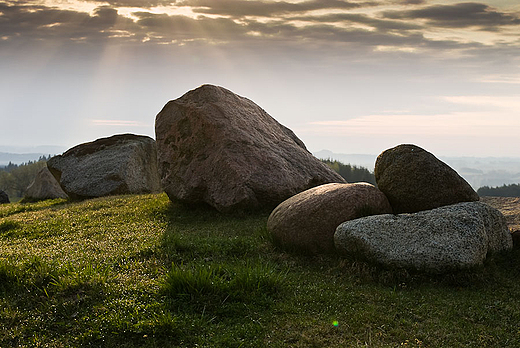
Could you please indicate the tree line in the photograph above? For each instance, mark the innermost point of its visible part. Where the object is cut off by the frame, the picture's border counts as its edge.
(351, 173)
(15, 178)
(512, 190)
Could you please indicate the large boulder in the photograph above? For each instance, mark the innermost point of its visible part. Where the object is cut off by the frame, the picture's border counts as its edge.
(4, 198)
(452, 237)
(215, 147)
(414, 180)
(44, 187)
(307, 221)
(121, 164)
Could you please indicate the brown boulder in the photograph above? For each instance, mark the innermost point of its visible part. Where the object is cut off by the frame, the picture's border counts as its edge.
(217, 148)
(414, 180)
(44, 187)
(308, 220)
(120, 164)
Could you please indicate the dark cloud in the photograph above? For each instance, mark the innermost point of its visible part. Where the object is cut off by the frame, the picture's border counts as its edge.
(463, 15)
(338, 30)
(379, 24)
(411, 2)
(240, 8)
(28, 23)
(137, 3)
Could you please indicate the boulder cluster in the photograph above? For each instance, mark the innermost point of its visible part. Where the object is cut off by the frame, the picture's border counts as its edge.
(120, 164)
(432, 220)
(212, 147)
(216, 148)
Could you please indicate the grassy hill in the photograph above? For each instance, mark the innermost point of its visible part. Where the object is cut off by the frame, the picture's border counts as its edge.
(139, 271)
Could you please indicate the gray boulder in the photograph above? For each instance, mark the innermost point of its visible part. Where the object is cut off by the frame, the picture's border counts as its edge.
(215, 147)
(452, 237)
(44, 187)
(308, 220)
(121, 164)
(414, 180)
(4, 198)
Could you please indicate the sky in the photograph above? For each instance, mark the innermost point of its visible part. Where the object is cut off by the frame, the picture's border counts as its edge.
(356, 76)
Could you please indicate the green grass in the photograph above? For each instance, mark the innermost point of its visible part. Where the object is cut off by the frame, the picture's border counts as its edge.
(140, 271)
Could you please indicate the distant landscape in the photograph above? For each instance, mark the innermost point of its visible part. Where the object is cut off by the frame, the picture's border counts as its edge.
(477, 171)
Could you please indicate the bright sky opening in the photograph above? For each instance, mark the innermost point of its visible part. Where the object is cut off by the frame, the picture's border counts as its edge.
(347, 76)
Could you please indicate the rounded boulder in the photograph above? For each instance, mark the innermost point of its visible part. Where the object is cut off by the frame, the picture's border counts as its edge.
(453, 237)
(307, 221)
(414, 180)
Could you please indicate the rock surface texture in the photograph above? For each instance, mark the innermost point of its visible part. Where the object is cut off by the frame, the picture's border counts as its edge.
(44, 186)
(307, 221)
(453, 237)
(217, 148)
(121, 164)
(414, 180)
(4, 198)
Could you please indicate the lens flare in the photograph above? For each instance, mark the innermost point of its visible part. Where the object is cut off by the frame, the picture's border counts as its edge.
(335, 323)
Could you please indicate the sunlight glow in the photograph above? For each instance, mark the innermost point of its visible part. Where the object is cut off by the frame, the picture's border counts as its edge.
(73, 5)
(469, 35)
(129, 12)
(118, 33)
(396, 49)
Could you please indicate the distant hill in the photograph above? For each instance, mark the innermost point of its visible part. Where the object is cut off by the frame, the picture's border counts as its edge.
(477, 171)
(19, 158)
(23, 154)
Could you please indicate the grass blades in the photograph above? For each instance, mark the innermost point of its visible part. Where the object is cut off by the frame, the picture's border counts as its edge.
(140, 271)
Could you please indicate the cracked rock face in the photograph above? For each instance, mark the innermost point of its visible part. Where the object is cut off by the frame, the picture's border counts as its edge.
(218, 148)
(413, 179)
(457, 236)
(121, 164)
(307, 221)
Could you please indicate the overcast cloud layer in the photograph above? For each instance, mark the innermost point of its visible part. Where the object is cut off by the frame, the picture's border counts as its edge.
(350, 76)
(410, 24)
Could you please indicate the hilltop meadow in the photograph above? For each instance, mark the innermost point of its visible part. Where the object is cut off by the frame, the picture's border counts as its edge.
(141, 271)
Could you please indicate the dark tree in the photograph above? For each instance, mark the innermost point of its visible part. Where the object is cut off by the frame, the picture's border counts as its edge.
(351, 173)
(512, 190)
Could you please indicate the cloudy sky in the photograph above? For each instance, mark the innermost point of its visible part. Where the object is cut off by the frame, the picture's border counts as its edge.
(355, 76)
